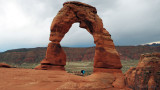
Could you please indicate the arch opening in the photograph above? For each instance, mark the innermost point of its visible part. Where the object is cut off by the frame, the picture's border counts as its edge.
(80, 57)
(77, 37)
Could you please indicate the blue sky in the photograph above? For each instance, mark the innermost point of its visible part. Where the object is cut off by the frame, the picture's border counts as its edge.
(26, 23)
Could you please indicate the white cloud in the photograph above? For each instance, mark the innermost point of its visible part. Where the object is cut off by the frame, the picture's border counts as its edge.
(26, 23)
(77, 37)
(20, 29)
(133, 22)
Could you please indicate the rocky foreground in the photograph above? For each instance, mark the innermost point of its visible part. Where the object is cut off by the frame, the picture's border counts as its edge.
(146, 76)
(29, 79)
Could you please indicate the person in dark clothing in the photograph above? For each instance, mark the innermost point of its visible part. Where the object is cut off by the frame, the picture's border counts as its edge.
(82, 72)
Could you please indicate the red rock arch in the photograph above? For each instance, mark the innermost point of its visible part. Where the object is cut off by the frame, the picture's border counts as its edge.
(106, 56)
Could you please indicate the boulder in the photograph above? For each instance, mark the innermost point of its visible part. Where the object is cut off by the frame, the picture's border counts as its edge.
(3, 65)
(146, 76)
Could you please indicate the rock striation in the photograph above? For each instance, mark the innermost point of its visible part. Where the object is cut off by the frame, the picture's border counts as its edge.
(146, 76)
(106, 55)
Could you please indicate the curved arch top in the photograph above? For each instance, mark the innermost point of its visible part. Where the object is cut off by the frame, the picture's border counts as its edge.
(106, 55)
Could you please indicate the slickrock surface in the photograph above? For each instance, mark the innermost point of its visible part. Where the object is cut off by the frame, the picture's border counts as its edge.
(30, 79)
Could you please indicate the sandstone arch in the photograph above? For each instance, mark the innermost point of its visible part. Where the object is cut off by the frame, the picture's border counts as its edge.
(106, 57)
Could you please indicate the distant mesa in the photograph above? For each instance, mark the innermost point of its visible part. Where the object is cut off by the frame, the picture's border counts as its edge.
(35, 55)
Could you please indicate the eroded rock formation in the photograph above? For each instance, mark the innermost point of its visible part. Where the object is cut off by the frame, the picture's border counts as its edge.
(146, 76)
(106, 55)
